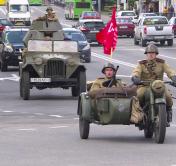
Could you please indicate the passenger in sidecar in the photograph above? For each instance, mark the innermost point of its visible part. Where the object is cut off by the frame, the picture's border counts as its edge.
(108, 104)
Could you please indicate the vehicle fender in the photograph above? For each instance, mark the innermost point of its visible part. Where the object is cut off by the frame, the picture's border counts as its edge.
(85, 102)
(160, 100)
(20, 67)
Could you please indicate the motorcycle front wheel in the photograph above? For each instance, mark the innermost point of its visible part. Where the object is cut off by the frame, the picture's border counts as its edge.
(160, 123)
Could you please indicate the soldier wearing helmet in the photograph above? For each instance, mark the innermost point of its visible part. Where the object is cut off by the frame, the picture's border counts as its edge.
(109, 71)
(49, 16)
(153, 68)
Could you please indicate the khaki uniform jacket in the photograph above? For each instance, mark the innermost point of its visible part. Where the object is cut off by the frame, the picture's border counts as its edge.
(98, 83)
(153, 70)
(50, 18)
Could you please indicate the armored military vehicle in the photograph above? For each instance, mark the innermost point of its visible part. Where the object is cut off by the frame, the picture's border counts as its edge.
(49, 61)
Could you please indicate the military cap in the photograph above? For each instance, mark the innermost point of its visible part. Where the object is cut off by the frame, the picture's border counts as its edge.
(109, 65)
(151, 48)
(49, 8)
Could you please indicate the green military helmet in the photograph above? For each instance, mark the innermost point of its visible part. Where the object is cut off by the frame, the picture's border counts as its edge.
(49, 8)
(151, 48)
(109, 65)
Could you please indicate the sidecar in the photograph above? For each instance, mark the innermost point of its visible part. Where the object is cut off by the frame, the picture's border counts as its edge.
(104, 106)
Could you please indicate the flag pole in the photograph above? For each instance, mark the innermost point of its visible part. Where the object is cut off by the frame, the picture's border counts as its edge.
(111, 53)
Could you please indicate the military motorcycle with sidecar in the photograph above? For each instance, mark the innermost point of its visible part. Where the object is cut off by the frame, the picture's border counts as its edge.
(107, 106)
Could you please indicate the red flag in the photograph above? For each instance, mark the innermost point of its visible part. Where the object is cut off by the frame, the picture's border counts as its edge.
(108, 35)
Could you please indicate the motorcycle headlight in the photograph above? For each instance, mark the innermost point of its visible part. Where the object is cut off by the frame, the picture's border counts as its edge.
(8, 48)
(86, 47)
(38, 61)
(158, 87)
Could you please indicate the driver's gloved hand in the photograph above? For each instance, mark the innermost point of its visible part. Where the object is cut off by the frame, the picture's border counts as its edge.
(136, 80)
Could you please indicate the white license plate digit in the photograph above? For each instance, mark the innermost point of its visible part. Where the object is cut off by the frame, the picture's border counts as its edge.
(40, 79)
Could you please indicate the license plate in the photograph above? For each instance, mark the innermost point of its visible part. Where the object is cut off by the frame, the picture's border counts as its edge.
(94, 31)
(123, 27)
(40, 79)
(159, 37)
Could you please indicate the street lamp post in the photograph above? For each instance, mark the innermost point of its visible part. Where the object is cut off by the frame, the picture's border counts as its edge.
(99, 6)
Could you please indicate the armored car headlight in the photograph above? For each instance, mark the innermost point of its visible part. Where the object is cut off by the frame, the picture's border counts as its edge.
(38, 61)
(8, 48)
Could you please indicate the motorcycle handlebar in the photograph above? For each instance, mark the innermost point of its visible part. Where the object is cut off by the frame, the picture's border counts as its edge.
(165, 82)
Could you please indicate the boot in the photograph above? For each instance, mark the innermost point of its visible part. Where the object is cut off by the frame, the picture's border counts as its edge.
(169, 116)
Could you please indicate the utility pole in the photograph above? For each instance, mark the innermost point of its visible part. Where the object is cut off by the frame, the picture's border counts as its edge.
(99, 6)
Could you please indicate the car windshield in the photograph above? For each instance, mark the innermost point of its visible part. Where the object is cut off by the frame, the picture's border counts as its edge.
(40, 46)
(74, 36)
(94, 24)
(90, 14)
(153, 21)
(124, 20)
(5, 22)
(19, 8)
(128, 14)
(15, 36)
(149, 14)
(58, 46)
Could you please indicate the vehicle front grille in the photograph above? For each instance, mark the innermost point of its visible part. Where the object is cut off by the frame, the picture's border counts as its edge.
(55, 68)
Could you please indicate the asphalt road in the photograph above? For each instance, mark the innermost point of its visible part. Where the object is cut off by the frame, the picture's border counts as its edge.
(43, 131)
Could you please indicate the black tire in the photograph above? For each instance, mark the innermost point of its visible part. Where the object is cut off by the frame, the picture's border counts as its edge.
(160, 124)
(170, 42)
(21, 92)
(88, 60)
(143, 43)
(4, 66)
(81, 84)
(136, 42)
(148, 125)
(25, 85)
(148, 131)
(162, 42)
(84, 125)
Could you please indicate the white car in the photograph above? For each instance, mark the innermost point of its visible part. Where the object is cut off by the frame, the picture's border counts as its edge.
(127, 13)
(154, 28)
(146, 14)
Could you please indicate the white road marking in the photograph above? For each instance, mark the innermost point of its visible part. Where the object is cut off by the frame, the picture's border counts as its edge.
(27, 129)
(3, 10)
(113, 60)
(76, 118)
(173, 125)
(57, 116)
(57, 127)
(13, 78)
(7, 111)
(39, 113)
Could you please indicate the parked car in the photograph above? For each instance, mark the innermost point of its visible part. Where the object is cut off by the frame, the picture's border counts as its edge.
(90, 15)
(127, 13)
(172, 22)
(11, 46)
(125, 26)
(146, 14)
(83, 45)
(153, 28)
(4, 23)
(90, 27)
